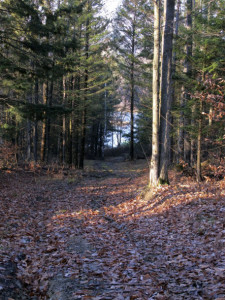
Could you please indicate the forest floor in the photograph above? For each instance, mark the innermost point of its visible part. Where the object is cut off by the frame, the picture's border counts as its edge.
(99, 234)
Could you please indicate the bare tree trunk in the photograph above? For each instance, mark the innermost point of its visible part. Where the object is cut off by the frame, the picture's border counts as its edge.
(29, 100)
(198, 168)
(154, 169)
(83, 134)
(180, 142)
(165, 89)
(84, 112)
(70, 129)
(43, 137)
(177, 19)
(132, 94)
(64, 124)
(193, 160)
(48, 136)
(188, 72)
(105, 124)
(76, 125)
(28, 140)
(176, 25)
(35, 127)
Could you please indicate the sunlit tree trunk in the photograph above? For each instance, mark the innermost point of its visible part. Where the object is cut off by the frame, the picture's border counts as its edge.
(165, 89)
(177, 19)
(154, 169)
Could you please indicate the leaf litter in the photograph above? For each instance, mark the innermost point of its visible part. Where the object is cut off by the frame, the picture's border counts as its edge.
(103, 238)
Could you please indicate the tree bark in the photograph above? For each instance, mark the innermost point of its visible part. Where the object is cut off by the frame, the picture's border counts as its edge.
(180, 142)
(48, 136)
(132, 94)
(43, 137)
(84, 112)
(154, 169)
(199, 141)
(176, 25)
(29, 100)
(188, 72)
(35, 127)
(165, 89)
(64, 124)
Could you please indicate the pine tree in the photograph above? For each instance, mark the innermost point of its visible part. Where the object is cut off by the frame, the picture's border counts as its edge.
(128, 46)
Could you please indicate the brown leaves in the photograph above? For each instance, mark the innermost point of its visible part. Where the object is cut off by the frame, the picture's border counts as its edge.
(108, 242)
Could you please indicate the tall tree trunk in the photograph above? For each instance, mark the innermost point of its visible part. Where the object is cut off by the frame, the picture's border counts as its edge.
(188, 72)
(84, 112)
(193, 141)
(48, 136)
(96, 139)
(76, 124)
(43, 137)
(28, 140)
(180, 141)
(199, 141)
(29, 100)
(83, 134)
(35, 127)
(154, 169)
(177, 20)
(101, 140)
(70, 128)
(73, 117)
(165, 89)
(64, 123)
(105, 123)
(70, 150)
(17, 142)
(132, 94)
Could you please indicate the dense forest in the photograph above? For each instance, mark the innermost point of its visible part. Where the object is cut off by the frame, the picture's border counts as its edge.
(75, 83)
(112, 148)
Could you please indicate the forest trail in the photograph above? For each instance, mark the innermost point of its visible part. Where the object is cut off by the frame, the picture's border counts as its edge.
(95, 234)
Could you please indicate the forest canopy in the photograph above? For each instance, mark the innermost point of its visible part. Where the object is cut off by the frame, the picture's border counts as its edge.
(76, 83)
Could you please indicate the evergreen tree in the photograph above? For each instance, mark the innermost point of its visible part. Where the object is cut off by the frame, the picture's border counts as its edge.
(128, 34)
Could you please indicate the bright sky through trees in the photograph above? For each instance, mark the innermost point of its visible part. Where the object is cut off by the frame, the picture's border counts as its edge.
(111, 5)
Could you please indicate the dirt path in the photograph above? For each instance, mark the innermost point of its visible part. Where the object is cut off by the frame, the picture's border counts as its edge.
(90, 235)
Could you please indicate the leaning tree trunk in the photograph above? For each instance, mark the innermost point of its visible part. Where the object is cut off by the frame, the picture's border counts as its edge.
(154, 169)
(165, 89)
